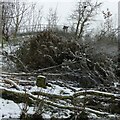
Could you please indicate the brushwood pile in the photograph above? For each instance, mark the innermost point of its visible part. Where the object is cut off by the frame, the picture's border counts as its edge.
(76, 62)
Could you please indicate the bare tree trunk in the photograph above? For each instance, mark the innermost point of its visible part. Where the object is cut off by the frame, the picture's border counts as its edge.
(1, 25)
(82, 28)
(118, 39)
(77, 28)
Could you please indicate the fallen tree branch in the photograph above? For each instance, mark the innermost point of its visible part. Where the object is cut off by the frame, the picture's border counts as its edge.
(19, 74)
(97, 93)
(11, 82)
(34, 74)
(40, 70)
(61, 97)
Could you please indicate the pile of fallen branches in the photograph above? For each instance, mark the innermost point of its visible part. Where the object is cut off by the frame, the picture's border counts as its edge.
(46, 49)
(66, 59)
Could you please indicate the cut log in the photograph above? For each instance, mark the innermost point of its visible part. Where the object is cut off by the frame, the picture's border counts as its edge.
(41, 81)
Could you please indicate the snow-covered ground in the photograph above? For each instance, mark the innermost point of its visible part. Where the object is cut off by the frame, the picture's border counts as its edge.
(9, 109)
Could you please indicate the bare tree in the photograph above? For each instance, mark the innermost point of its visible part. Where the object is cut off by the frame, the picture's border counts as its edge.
(107, 20)
(33, 18)
(6, 19)
(18, 14)
(12, 16)
(52, 18)
(83, 14)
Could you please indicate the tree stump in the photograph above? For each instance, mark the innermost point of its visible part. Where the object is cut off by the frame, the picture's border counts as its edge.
(41, 81)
